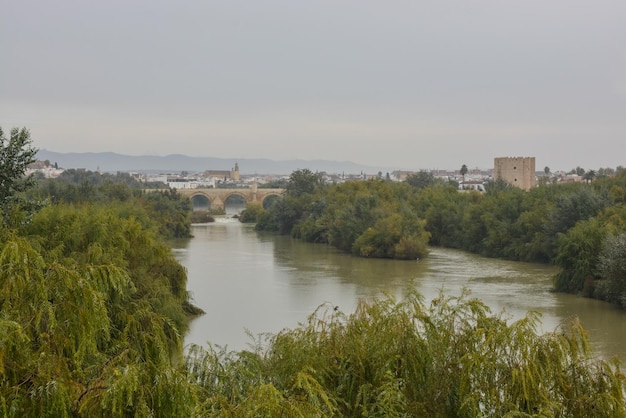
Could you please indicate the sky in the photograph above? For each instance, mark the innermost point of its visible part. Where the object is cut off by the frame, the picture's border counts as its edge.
(405, 84)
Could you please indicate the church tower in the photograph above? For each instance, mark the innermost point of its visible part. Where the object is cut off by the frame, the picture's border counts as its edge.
(234, 173)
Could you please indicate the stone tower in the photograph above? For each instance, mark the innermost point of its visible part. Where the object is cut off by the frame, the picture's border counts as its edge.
(234, 173)
(518, 171)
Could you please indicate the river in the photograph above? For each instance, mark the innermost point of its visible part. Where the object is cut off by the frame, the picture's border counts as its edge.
(250, 283)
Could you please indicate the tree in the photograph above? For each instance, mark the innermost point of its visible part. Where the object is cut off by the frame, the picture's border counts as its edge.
(16, 153)
(589, 176)
(251, 213)
(612, 269)
(576, 253)
(463, 171)
(421, 180)
(303, 182)
(92, 314)
(582, 203)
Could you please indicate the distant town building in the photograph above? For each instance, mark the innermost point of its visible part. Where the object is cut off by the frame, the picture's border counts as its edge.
(233, 174)
(182, 183)
(44, 167)
(518, 171)
(477, 185)
(401, 175)
(570, 178)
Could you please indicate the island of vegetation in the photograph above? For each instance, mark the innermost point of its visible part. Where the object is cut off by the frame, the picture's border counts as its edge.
(94, 308)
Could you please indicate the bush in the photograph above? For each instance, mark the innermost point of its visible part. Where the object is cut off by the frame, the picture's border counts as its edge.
(201, 216)
(251, 213)
(452, 358)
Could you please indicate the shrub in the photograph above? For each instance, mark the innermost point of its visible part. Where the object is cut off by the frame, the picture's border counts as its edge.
(452, 358)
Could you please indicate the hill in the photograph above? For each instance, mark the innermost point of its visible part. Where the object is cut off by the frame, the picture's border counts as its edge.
(113, 162)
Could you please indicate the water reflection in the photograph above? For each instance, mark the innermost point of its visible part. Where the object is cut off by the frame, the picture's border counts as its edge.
(369, 277)
(247, 280)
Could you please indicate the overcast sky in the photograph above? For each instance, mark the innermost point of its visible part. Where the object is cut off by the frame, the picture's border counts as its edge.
(402, 84)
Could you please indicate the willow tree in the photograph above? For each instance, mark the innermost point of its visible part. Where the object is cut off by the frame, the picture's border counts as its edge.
(450, 358)
(90, 326)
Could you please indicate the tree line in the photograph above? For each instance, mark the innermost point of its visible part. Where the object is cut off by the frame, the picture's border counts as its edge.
(94, 308)
(161, 207)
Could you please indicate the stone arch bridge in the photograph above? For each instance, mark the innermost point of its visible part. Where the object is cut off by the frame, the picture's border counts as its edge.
(217, 197)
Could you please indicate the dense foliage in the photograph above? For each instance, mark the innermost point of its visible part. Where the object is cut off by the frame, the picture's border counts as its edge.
(451, 358)
(162, 208)
(93, 310)
(369, 219)
(571, 225)
(93, 306)
(89, 330)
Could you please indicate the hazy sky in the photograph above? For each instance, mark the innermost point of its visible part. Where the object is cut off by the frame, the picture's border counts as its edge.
(403, 84)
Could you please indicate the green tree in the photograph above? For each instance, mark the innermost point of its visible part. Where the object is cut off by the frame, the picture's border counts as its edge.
(421, 180)
(91, 314)
(167, 209)
(495, 186)
(393, 236)
(605, 172)
(463, 171)
(612, 269)
(273, 184)
(16, 153)
(577, 253)
(443, 212)
(589, 176)
(303, 182)
(251, 213)
(571, 206)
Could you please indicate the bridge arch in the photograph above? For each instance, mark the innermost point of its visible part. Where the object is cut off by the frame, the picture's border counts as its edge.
(200, 201)
(231, 193)
(270, 199)
(235, 202)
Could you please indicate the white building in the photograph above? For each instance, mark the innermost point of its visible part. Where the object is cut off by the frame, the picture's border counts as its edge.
(182, 183)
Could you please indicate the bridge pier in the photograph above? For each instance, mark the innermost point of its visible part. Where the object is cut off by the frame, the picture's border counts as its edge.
(217, 204)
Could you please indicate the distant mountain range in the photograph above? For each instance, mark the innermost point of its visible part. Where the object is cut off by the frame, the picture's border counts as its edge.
(112, 162)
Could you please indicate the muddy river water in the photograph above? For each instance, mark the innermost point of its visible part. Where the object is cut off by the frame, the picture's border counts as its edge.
(248, 282)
